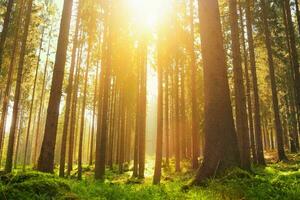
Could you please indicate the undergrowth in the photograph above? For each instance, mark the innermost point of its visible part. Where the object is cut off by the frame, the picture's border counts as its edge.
(276, 181)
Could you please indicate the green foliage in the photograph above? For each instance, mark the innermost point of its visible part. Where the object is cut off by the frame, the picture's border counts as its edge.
(32, 185)
(277, 181)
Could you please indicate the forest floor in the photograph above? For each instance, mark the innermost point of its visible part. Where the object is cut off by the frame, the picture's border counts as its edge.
(276, 181)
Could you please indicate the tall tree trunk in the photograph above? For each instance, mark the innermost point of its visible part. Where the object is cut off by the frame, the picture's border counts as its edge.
(11, 141)
(278, 125)
(159, 133)
(32, 100)
(46, 159)
(10, 78)
(221, 147)
(73, 115)
(37, 135)
(5, 26)
(240, 97)
(69, 98)
(83, 113)
(102, 131)
(257, 120)
(195, 112)
(294, 56)
(143, 104)
(167, 126)
(93, 118)
(177, 120)
(248, 89)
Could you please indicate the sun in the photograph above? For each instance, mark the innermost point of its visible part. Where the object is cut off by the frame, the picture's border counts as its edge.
(147, 13)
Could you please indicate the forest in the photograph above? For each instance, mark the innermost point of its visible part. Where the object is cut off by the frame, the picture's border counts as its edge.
(149, 99)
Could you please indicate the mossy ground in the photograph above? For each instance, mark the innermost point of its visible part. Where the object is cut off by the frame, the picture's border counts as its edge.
(276, 181)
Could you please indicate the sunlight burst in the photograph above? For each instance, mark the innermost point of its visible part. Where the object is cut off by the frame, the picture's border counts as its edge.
(147, 13)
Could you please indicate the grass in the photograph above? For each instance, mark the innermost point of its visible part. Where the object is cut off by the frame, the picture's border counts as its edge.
(276, 181)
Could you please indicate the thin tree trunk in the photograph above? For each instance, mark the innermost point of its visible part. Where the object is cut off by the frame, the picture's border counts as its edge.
(159, 133)
(257, 120)
(195, 112)
(11, 142)
(10, 78)
(32, 100)
(278, 125)
(37, 135)
(83, 114)
(69, 98)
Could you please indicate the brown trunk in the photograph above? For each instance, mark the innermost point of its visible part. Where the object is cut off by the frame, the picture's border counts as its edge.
(278, 125)
(239, 90)
(37, 135)
(32, 100)
(46, 159)
(143, 103)
(159, 134)
(195, 112)
(9, 78)
(11, 142)
(5, 27)
(248, 89)
(257, 120)
(69, 98)
(221, 147)
(102, 131)
(83, 114)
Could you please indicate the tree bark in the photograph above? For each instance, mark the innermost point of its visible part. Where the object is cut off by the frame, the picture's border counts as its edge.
(11, 141)
(221, 147)
(257, 120)
(46, 159)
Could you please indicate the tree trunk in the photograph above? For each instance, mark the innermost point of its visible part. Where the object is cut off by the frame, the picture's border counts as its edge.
(69, 98)
(46, 159)
(5, 27)
(10, 78)
(37, 135)
(102, 131)
(11, 142)
(32, 100)
(221, 147)
(159, 133)
(278, 125)
(195, 112)
(257, 120)
(240, 97)
(83, 114)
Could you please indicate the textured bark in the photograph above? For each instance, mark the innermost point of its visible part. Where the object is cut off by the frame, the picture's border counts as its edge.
(277, 121)
(257, 120)
(248, 89)
(102, 131)
(37, 135)
(5, 27)
(69, 98)
(46, 159)
(239, 89)
(32, 101)
(11, 141)
(10, 77)
(221, 147)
